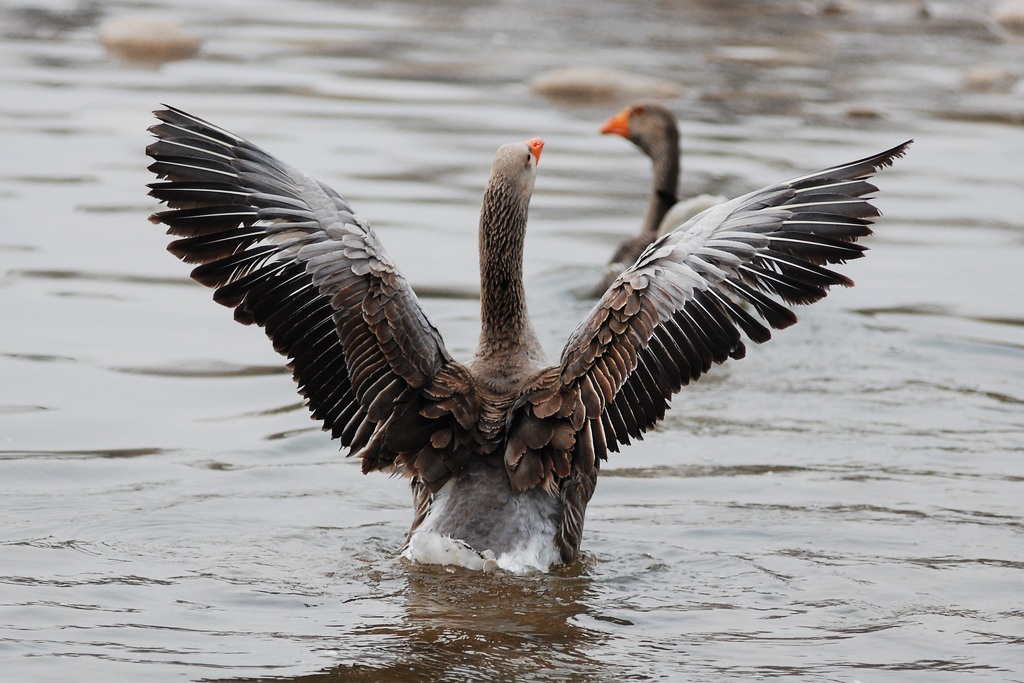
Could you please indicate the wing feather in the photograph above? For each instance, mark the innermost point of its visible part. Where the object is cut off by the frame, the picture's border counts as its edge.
(687, 292)
(732, 271)
(291, 255)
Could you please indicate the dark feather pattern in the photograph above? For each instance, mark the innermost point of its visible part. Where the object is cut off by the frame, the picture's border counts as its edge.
(250, 224)
(682, 300)
(290, 255)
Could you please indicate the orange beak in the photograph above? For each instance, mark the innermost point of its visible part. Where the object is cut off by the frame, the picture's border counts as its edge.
(618, 124)
(535, 145)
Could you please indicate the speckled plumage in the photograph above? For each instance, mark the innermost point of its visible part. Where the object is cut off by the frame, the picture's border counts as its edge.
(502, 450)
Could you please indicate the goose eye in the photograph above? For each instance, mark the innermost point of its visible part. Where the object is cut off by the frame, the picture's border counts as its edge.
(639, 110)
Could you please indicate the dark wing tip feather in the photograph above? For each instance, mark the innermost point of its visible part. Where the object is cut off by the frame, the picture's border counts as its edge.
(685, 303)
(178, 118)
(245, 220)
(860, 168)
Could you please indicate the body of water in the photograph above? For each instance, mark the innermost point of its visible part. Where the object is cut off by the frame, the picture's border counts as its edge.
(842, 505)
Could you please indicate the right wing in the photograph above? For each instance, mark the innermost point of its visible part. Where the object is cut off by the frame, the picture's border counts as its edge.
(681, 307)
(291, 255)
(677, 311)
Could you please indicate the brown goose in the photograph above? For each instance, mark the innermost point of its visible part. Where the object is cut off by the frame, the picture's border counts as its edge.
(653, 128)
(502, 451)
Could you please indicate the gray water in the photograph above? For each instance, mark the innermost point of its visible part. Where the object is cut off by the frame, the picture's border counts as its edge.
(842, 505)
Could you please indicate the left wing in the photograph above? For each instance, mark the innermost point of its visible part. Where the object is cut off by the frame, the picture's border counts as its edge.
(291, 255)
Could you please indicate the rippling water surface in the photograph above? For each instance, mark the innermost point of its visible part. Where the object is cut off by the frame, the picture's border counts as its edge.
(844, 504)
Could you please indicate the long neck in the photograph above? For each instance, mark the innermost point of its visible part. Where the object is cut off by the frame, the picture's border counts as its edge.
(665, 159)
(505, 324)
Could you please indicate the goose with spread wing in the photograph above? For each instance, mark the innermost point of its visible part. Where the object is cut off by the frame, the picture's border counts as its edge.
(502, 451)
(653, 128)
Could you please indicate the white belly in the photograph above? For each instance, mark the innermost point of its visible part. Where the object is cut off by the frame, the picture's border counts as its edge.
(476, 521)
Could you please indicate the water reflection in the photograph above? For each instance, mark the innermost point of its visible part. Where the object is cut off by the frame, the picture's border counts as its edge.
(112, 453)
(45, 23)
(205, 368)
(460, 626)
(85, 276)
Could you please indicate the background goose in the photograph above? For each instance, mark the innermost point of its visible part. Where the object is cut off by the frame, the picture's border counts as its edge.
(502, 451)
(653, 128)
